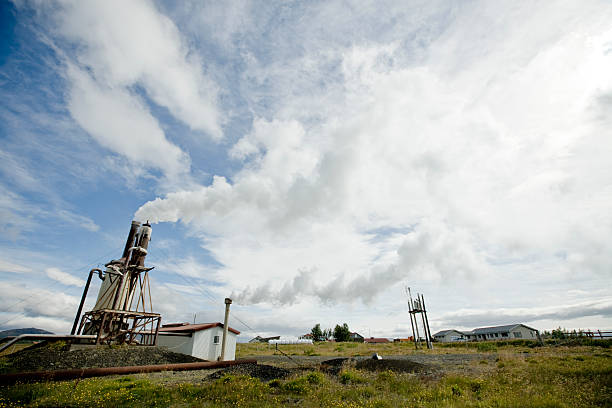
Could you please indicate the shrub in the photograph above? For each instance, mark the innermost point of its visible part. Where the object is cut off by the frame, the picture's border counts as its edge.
(351, 377)
(314, 378)
(486, 347)
(310, 352)
(297, 386)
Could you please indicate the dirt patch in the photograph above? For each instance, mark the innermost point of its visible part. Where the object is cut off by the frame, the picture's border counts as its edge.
(335, 365)
(400, 366)
(57, 356)
(260, 371)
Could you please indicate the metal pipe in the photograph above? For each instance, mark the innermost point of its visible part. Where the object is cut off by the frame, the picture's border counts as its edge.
(130, 238)
(228, 302)
(411, 323)
(34, 376)
(45, 337)
(428, 331)
(80, 309)
(417, 339)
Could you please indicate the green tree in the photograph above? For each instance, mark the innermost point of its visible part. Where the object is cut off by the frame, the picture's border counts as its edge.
(342, 333)
(316, 332)
(327, 334)
(559, 333)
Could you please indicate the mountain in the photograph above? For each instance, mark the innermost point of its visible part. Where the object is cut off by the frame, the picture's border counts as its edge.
(17, 332)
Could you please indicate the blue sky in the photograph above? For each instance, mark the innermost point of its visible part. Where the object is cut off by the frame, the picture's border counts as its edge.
(310, 159)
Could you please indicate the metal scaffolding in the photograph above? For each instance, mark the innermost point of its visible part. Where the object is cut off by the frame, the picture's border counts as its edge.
(417, 307)
(115, 319)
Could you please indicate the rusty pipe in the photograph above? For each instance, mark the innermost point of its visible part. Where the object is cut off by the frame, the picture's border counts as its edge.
(56, 375)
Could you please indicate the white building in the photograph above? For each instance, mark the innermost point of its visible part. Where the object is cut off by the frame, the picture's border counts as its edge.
(507, 332)
(202, 340)
(447, 336)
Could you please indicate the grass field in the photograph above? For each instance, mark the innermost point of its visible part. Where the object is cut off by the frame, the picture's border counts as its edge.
(517, 375)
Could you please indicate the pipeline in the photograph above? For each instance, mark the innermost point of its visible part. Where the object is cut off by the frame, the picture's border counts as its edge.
(56, 375)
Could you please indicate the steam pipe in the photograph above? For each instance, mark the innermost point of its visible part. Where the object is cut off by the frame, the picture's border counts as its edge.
(34, 376)
(130, 238)
(80, 309)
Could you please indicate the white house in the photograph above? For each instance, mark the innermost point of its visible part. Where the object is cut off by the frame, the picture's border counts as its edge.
(507, 332)
(447, 336)
(202, 340)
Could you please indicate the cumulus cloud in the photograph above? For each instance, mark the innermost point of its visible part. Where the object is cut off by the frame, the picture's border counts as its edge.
(34, 302)
(134, 44)
(121, 122)
(490, 160)
(430, 250)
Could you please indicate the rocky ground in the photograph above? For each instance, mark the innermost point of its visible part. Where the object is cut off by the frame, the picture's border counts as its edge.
(262, 371)
(58, 356)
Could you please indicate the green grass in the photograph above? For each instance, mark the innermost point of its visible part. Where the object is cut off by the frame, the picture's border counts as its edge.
(521, 377)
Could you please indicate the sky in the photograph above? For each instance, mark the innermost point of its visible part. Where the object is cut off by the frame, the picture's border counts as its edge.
(311, 160)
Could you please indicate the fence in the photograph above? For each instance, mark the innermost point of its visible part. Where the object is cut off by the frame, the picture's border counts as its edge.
(595, 334)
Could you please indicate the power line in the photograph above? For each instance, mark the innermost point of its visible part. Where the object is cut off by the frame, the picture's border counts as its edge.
(206, 293)
(51, 287)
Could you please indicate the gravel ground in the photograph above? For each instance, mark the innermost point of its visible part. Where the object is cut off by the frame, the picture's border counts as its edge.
(57, 357)
(262, 371)
(438, 360)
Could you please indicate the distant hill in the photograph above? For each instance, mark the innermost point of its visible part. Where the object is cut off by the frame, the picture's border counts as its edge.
(17, 332)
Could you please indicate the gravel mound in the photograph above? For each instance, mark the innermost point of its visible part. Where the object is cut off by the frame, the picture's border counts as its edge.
(335, 365)
(57, 356)
(400, 366)
(260, 371)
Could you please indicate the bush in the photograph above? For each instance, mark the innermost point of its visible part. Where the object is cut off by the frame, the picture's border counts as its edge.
(486, 347)
(297, 386)
(315, 378)
(351, 377)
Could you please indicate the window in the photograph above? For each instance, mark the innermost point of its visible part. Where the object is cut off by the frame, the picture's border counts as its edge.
(216, 340)
(504, 334)
(517, 334)
(496, 335)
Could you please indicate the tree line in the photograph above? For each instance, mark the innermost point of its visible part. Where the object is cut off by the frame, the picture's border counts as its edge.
(340, 333)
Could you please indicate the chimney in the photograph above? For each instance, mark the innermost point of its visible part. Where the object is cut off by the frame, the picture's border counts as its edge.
(228, 302)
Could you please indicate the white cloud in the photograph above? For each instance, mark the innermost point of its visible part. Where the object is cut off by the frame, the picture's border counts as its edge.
(63, 277)
(18, 299)
(120, 122)
(127, 44)
(469, 318)
(487, 158)
(13, 268)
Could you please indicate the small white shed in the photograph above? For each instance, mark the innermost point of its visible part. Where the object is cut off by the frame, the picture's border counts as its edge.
(202, 340)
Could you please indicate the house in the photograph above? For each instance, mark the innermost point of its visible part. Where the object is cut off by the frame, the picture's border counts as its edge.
(201, 340)
(403, 340)
(510, 331)
(307, 336)
(356, 337)
(376, 340)
(259, 339)
(447, 336)
(290, 340)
